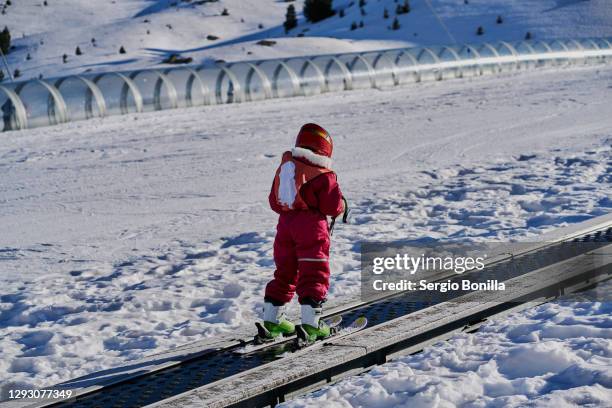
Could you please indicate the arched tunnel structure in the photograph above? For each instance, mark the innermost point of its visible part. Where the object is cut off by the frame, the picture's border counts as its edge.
(45, 102)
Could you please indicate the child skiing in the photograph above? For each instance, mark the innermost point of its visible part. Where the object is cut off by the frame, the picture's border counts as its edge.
(304, 192)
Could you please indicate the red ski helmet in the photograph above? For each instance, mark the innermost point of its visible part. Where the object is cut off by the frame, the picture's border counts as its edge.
(315, 138)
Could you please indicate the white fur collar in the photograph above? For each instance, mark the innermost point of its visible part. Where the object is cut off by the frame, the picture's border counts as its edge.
(312, 157)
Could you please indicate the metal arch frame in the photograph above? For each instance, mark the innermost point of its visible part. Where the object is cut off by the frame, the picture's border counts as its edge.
(589, 40)
(576, 43)
(21, 117)
(470, 47)
(509, 46)
(193, 78)
(477, 69)
(532, 51)
(457, 68)
(58, 99)
(545, 44)
(605, 40)
(430, 52)
(497, 64)
(333, 60)
(265, 81)
(295, 79)
(565, 49)
(94, 91)
(238, 93)
(394, 73)
(162, 79)
(436, 71)
(370, 69)
(453, 52)
(128, 85)
(416, 72)
(320, 76)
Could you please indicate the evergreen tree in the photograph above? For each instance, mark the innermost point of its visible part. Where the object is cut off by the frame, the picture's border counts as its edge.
(353, 26)
(1, 75)
(65, 58)
(528, 36)
(28, 57)
(290, 18)
(480, 31)
(386, 14)
(122, 50)
(396, 24)
(5, 40)
(362, 3)
(500, 20)
(17, 73)
(341, 13)
(317, 10)
(225, 12)
(78, 51)
(403, 8)
(361, 24)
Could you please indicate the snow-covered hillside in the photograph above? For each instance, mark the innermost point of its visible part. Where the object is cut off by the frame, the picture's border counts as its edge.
(125, 236)
(151, 30)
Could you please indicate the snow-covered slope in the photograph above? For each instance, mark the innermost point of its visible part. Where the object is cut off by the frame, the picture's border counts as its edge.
(150, 30)
(127, 236)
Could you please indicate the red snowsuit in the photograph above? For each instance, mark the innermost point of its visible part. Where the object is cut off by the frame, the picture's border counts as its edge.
(301, 246)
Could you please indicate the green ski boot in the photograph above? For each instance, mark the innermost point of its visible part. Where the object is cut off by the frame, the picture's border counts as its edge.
(275, 324)
(284, 327)
(313, 328)
(316, 333)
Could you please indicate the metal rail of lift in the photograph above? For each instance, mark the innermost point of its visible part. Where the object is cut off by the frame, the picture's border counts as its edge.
(217, 376)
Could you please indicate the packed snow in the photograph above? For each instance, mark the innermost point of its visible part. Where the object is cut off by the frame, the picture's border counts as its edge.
(150, 31)
(134, 234)
(554, 355)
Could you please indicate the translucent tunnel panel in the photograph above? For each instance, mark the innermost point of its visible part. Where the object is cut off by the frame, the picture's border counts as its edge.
(190, 90)
(504, 50)
(312, 80)
(467, 52)
(602, 43)
(385, 72)
(254, 82)
(11, 110)
(82, 97)
(540, 47)
(283, 79)
(407, 67)
(523, 48)
(572, 45)
(448, 54)
(42, 103)
(225, 87)
(336, 74)
(486, 51)
(588, 44)
(557, 46)
(120, 93)
(424, 56)
(156, 90)
(362, 73)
